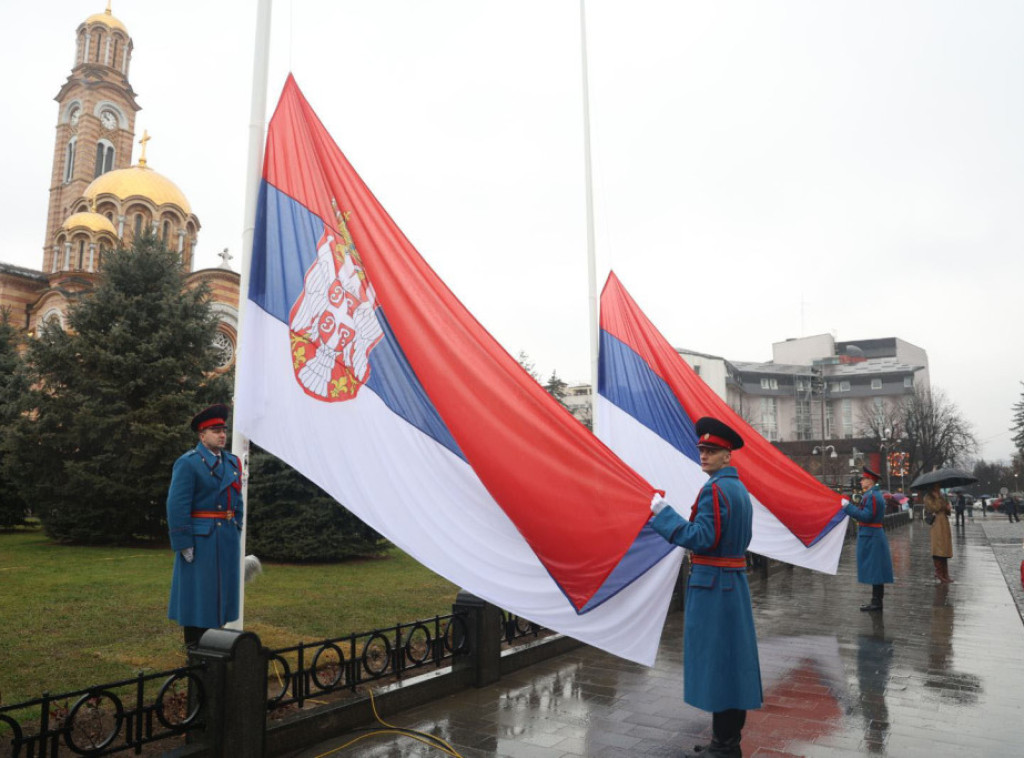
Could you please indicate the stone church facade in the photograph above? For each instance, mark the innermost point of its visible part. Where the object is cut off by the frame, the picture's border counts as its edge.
(99, 199)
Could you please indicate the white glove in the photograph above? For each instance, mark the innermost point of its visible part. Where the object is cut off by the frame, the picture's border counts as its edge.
(657, 503)
(253, 568)
(189, 554)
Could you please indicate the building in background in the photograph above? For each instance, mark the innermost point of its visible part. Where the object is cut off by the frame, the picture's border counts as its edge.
(578, 400)
(99, 199)
(824, 403)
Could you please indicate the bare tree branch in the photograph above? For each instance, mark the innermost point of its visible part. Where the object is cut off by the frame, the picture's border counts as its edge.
(935, 432)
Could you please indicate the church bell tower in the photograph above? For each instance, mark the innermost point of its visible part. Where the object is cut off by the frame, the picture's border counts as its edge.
(95, 119)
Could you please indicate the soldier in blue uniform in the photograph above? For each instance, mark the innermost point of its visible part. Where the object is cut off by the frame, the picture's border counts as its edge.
(874, 562)
(721, 671)
(204, 517)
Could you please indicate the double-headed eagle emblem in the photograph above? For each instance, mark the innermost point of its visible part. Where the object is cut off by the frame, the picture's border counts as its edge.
(333, 324)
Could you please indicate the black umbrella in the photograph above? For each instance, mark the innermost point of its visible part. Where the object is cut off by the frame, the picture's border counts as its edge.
(944, 477)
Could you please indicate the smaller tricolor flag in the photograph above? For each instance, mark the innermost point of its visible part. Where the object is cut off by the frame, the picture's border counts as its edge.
(648, 400)
(360, 369)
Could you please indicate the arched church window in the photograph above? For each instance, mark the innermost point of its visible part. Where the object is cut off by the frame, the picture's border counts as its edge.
(52, 318)
(167, 231)
(225, 349)
(104, 157)
(138, 224)
(69, 160)
(81, 255)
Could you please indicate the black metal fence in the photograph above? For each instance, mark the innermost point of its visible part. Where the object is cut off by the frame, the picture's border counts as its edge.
(515, 628)
(342, 663)
(232, 684)
(107, 718)
(199, 709)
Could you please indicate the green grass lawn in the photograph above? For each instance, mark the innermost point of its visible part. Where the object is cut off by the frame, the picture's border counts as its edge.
(71, 617)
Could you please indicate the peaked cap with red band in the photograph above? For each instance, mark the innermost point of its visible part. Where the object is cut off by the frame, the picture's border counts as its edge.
(215, 415)
(713, 433)
(871, 474)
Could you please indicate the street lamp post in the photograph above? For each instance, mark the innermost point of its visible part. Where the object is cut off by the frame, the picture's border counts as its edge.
(818, 383)
(886, 447)
(823, 449)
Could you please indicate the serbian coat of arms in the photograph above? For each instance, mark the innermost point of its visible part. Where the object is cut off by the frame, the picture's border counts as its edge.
(333, 324)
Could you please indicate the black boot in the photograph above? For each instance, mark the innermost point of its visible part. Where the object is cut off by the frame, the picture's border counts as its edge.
(726, 728)
(877, 592)
(728, 748)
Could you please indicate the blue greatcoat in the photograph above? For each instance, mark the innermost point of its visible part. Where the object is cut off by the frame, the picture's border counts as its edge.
(874, 563)
(720, 664)
(204, 593)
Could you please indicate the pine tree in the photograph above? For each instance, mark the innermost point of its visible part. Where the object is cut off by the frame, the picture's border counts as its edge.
(527, 364)
(12, 386)
(556, 387)
(1018, 423)
(108, 412)
(290, 519)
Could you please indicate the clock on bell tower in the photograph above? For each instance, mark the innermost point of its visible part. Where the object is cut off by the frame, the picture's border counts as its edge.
(95, 118)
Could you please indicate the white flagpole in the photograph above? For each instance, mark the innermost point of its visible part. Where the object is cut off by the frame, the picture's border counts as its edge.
(591, 262)
(254, 172)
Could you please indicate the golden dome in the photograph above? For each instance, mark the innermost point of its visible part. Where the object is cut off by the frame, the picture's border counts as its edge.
(107, 19)
(138, 181)
(94, 222)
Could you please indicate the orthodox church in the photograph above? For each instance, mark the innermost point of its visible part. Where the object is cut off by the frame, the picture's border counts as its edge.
(98, 198)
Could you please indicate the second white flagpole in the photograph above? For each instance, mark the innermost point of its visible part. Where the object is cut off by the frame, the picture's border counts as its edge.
(591, 260)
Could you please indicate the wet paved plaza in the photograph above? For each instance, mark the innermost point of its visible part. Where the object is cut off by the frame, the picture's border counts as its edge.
(939, 673)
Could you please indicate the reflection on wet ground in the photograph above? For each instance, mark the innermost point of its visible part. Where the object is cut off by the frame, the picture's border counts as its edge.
(939, 673)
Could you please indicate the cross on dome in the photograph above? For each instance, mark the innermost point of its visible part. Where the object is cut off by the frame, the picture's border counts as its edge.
(145, 138)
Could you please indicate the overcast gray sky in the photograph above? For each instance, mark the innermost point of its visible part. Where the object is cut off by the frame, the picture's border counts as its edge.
(763, 170)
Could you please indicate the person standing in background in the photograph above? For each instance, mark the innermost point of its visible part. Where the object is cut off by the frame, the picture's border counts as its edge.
(874, 561)
(942, 536)
(1012, 507)
(959, 506)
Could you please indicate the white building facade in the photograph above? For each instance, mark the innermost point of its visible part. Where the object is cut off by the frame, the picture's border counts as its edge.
(816, 388)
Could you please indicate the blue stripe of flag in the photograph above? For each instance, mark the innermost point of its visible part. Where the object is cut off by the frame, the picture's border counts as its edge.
(625, 379)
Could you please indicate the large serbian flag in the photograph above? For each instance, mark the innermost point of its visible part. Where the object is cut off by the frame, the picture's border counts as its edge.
(363, 371)
(648, 399)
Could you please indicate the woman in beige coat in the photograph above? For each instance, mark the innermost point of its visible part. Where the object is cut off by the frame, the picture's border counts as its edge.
(942, 538)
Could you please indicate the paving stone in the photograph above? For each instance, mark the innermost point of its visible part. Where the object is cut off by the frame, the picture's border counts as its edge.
(938, 673)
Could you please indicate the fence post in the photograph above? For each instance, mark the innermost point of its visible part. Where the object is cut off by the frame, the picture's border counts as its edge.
(483, 631)
(235, 688)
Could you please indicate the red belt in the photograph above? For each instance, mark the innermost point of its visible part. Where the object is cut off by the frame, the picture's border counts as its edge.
(720, 560)
(878, 525)
(213, 514)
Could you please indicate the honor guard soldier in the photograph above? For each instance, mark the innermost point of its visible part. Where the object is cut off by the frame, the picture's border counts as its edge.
(204, 517)
(721, 671)
(874, 562)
